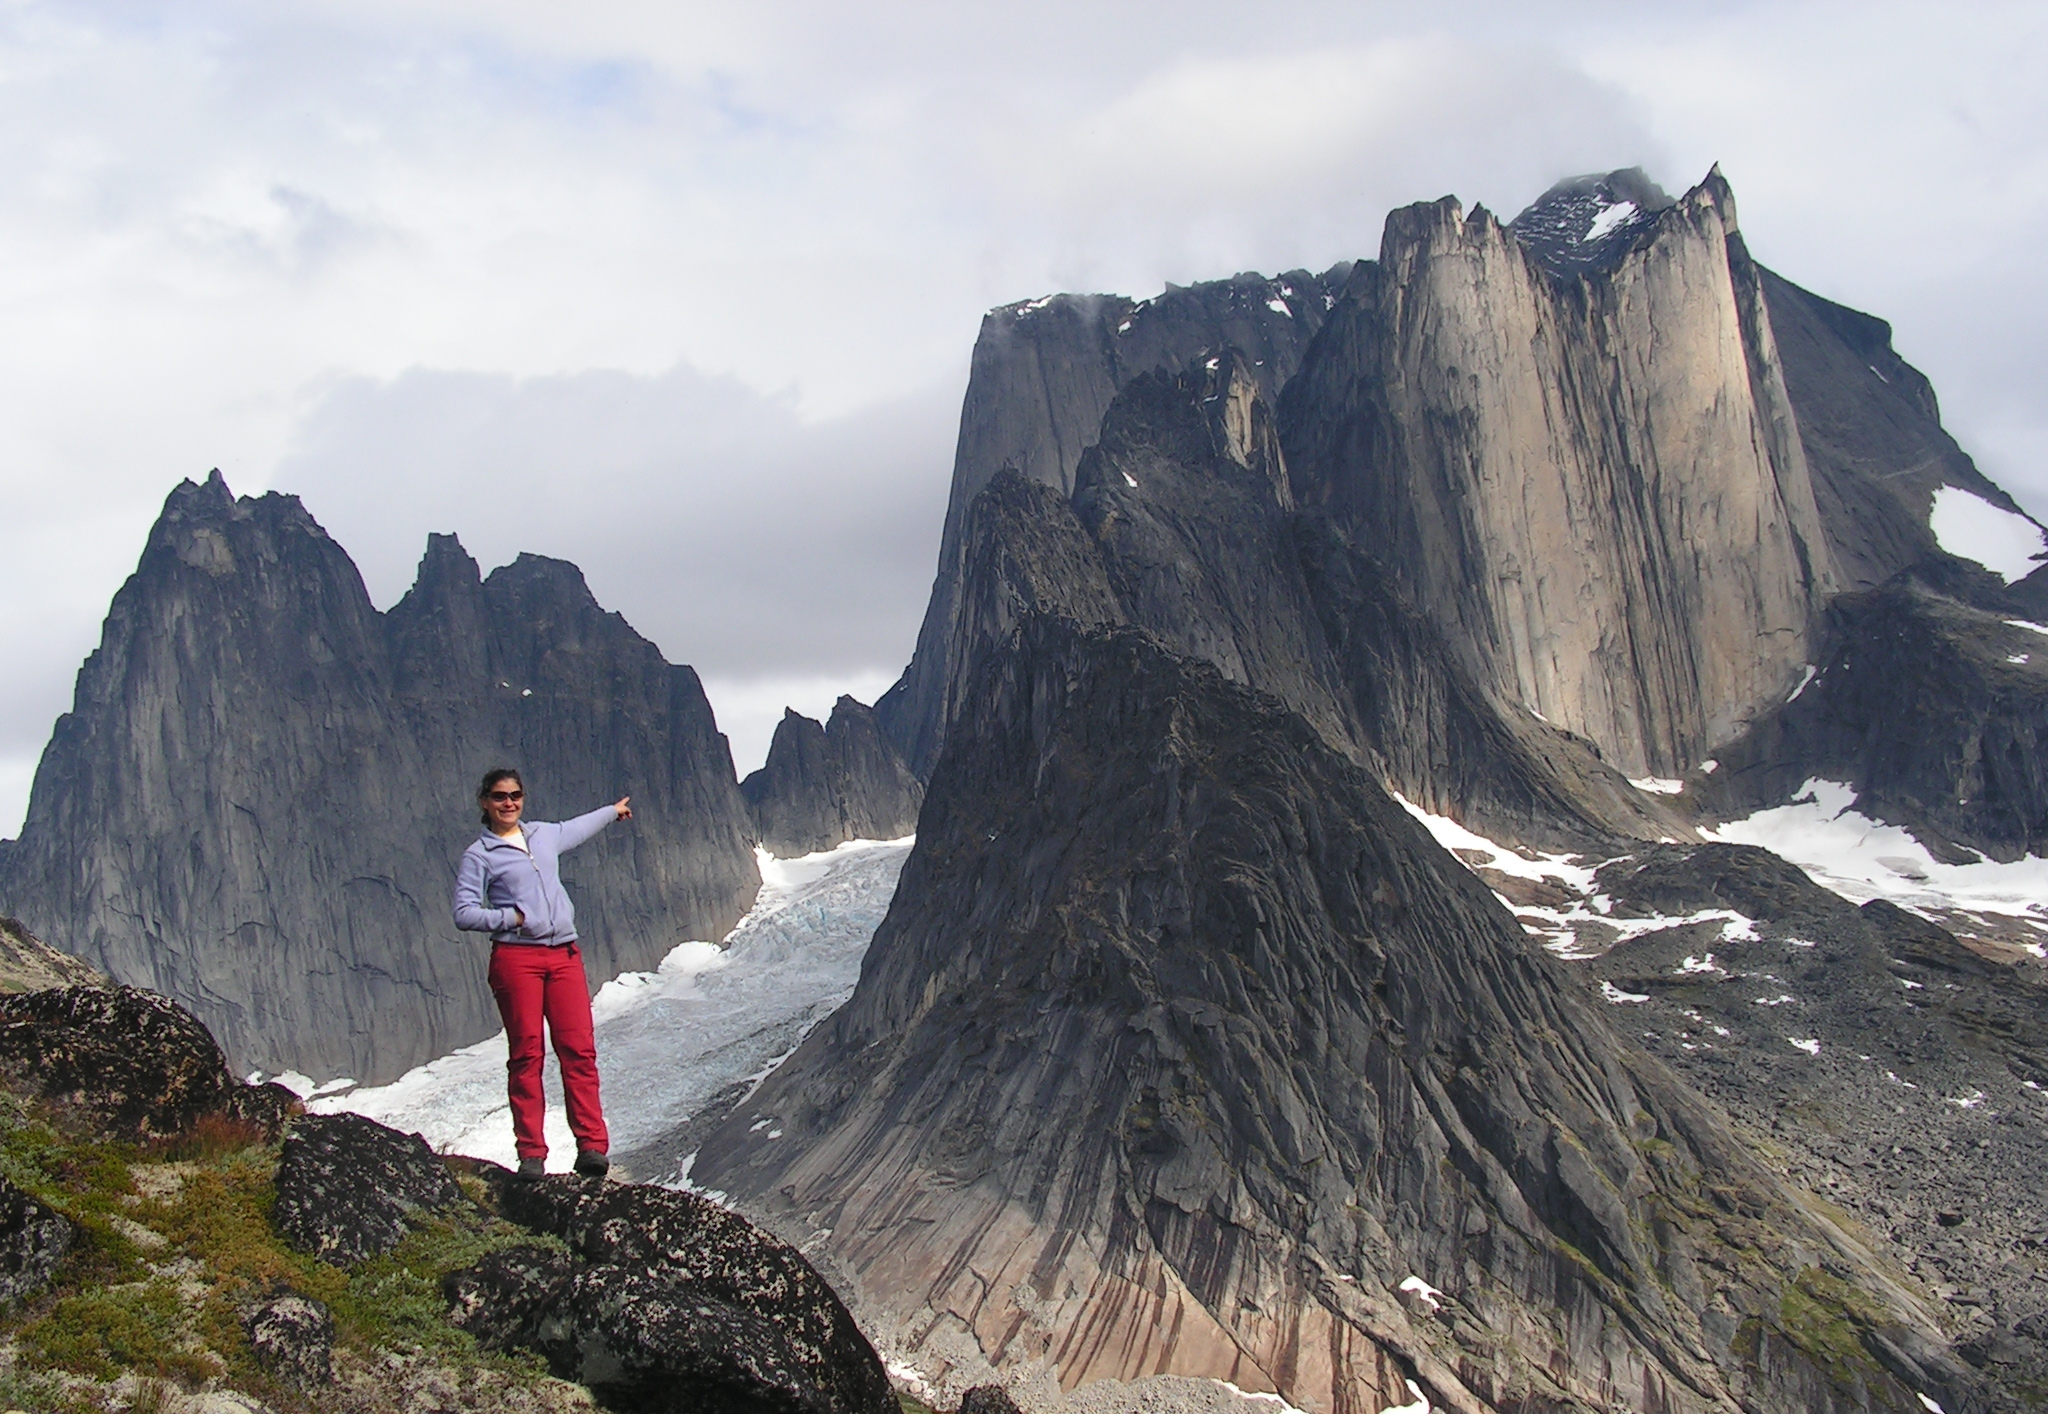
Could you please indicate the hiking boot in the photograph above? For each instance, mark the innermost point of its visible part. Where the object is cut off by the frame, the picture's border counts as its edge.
(532, 1168)
(592, 1163)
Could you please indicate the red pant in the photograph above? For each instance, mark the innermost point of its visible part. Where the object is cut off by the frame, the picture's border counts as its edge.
(533, 984)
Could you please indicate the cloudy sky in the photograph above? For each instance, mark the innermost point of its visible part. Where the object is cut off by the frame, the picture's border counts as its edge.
(685, 293)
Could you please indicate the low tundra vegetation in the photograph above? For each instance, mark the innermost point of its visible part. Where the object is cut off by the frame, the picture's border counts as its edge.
(175, 1246)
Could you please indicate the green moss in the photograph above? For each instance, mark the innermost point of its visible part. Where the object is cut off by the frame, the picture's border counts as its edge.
(110, 1312)
(395, 1299)
(1825, 1318)
(100, 1333)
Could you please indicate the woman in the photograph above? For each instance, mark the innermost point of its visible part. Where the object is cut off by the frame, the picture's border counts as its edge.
(509, 885)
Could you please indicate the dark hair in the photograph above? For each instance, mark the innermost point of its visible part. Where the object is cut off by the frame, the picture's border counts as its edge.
(491, 779)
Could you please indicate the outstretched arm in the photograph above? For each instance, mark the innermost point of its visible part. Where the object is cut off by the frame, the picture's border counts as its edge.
(576, 831)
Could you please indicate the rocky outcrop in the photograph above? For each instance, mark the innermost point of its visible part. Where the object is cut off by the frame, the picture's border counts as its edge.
(348, 1188)
(1043, 374)
(28, 964)
(824, 784)
(1185, 1050)
(1872, 431)
(257, 800)
(127, 1063)
(669, 1302)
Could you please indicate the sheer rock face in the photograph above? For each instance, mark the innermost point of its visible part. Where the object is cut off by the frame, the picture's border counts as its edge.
(1593, 484)
(258, 798)
(1182, 523)
(826, 783)
(1184, 1048)
(1044, 373)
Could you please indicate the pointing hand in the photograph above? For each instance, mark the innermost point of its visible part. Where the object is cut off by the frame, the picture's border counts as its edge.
(625, 810)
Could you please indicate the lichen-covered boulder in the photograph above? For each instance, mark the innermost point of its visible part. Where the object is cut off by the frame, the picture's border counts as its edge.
(33, 1242)
(292, 1337)
(127, 1062)
(669, 1303)
(347, 1186)
(503, 1299)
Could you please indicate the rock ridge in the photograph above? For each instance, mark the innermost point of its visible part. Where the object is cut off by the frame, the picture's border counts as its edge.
(1181, 1024)
(257, 800)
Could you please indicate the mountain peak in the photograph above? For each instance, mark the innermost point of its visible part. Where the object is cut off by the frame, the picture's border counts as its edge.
(1586, 223)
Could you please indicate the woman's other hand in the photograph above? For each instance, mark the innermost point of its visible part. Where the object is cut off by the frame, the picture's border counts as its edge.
(624, 807)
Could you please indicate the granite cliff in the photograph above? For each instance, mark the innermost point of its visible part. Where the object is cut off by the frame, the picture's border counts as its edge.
(257, 799)
(1609, 469)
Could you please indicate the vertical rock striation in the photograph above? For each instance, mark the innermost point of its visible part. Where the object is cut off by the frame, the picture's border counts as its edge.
(826, 783)
(256, 802)
(1590, 479)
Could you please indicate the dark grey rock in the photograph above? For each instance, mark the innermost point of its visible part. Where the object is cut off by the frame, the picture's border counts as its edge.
(1928, 700)
(504, 1299)
(34, 1241)
(127, 1063)
(1886, 1062)
(668, 1303)
(1174, 999)
(257, 800)
(825, 784)
(347, 1186)
(1043, 374)
(1587, 224)
(292, 1337)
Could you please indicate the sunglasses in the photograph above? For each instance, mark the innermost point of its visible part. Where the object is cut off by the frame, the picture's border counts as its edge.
(502, 795)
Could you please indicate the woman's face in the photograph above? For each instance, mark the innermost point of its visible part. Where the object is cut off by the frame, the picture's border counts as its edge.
(503, 803)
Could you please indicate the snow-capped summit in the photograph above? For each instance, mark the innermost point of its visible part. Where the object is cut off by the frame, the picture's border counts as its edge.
(1586, 223)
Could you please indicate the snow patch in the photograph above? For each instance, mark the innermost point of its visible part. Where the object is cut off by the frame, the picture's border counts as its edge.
(1424, 1292)
(2005, 543)
(1130, 481)
(1699, 964)
(1811, 1046)
(1280, 1405)
(1860, 859)
(1279, 306)
(1614, 994)
(1421, 1402)
(1610, 218)
(1811, 671)
(1707, 768)
(1658, 785)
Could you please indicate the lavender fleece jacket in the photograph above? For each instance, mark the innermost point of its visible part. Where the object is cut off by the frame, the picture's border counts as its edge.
(497, 881)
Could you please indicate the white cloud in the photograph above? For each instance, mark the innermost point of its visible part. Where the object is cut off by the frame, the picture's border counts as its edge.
(729, 260)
